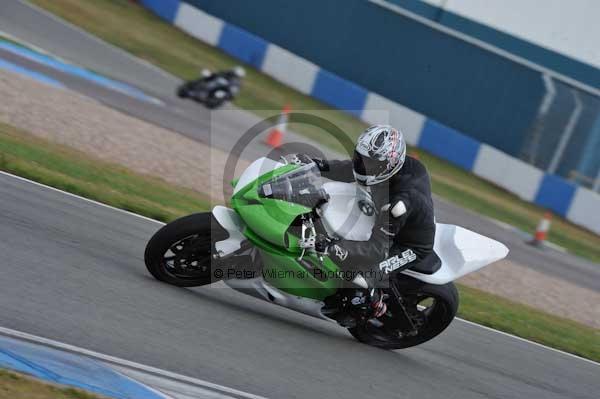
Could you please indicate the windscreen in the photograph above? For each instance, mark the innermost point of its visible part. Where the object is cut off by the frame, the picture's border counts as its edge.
(301, 186)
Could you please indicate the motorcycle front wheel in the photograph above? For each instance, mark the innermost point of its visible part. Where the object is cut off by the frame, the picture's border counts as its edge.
(180, 253)
(425, 310)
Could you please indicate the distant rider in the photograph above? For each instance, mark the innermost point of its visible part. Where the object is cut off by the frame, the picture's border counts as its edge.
(233, 78)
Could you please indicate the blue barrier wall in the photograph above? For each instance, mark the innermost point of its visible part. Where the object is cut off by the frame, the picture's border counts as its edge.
(476, 92)
(555, 194)
(449, 144)
(166, 9)
(339, 93)
(243, 45)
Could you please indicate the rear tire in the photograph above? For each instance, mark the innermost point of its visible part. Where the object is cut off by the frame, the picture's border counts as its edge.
(438, 319)
(168, 260)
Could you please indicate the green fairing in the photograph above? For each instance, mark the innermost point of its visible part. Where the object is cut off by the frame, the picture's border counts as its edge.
(282, 270)
(267, 224)
(269, 218)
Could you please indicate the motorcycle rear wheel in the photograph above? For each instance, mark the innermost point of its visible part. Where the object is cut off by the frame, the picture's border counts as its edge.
(180, 253)
(435, 304)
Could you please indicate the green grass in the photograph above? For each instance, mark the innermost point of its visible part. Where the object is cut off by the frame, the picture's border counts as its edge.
(136, 30)
(77, 173)
(524, 321)
(19, 386)
(73, 171)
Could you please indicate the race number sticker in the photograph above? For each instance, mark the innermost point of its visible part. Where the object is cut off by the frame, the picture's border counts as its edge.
(396, 262)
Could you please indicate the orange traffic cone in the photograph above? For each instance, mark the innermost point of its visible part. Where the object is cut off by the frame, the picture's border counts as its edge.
(542, 230)
(275, 136)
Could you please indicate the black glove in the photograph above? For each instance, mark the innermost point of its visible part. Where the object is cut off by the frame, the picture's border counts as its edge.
(322, 164)
(298, 159)
(322, 243)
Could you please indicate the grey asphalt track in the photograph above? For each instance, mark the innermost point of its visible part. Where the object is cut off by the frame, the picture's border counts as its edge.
(223, 129)
(41, 29)
(73, 271)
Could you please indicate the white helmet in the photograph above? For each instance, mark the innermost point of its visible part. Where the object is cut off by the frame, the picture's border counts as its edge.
(379, 154)
(239, 71)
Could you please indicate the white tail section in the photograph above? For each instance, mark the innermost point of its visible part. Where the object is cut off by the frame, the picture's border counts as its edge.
(462, 252)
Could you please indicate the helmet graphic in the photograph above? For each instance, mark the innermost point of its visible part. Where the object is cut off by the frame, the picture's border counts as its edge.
(379, 154)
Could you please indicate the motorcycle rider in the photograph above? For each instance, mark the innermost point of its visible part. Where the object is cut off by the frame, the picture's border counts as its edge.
(400, 191)
(234, 76)
(210, 82)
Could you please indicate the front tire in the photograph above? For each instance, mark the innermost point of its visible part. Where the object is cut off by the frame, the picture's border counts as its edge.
(180, 253)
(442, 310)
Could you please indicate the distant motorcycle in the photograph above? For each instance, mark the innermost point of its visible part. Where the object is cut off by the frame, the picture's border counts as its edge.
(213, 89)
(262, 247)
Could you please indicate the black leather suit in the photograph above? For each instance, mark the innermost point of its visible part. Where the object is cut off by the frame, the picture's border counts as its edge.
(410, 227)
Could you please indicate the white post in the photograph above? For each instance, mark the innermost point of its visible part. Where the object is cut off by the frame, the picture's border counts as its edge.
(543, 110)
(549, 96)
(569, 129)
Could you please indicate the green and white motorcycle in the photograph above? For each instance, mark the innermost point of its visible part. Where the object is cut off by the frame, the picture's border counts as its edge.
(264, 246)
